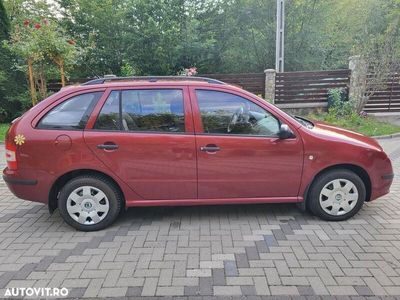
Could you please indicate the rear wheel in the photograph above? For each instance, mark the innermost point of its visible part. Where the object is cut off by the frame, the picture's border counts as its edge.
(337, 195)
(89, 202)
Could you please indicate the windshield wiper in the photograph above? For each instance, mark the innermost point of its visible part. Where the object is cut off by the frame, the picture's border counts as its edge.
(304, 122)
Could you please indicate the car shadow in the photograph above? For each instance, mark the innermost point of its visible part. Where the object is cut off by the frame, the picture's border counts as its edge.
(240, 213)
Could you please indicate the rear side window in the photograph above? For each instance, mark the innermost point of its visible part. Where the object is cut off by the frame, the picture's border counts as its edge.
(143, 110)
(72, 113)
(108, 118)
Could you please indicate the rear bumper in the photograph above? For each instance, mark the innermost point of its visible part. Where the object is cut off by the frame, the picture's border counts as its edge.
(28, 184)
(19, 181)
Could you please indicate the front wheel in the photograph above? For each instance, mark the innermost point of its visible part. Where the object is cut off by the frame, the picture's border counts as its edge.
(89, 202)
(337, 195)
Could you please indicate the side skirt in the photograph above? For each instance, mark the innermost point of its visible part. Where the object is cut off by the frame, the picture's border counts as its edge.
(192, 202)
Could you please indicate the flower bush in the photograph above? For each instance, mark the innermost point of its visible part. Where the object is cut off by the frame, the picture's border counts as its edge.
(192, 71)
(40, 43)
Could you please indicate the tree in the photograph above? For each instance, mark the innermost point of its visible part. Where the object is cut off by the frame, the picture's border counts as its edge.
(38, 41)
(100, 28)
(161, 37)
(12, 82)
(4, 22)
(4, 33)
(381, 51)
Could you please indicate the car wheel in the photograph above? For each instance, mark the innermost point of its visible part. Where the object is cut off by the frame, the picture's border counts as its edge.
(337, 195)
(90, 202)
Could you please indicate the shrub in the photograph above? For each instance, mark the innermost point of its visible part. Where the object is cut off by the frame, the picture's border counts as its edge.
(339, 104)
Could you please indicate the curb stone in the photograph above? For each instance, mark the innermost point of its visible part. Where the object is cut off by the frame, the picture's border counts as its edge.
(384, 137)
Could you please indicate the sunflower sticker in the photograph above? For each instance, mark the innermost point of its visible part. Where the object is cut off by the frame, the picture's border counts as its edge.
(19, 139)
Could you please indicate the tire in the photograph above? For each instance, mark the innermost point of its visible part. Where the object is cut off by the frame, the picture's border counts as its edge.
(89, 202)
(343, 189)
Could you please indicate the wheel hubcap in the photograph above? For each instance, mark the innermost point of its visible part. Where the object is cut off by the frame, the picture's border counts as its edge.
(338, 197)
(88, 205)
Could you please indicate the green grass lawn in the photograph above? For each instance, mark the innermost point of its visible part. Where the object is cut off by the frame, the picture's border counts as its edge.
(3, 129)
(365, 125)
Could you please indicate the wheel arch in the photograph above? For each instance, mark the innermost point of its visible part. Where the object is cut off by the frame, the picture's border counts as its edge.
(361, 172)
(63, 179)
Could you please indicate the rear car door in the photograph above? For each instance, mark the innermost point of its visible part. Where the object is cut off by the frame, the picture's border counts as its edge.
(239, 152)
(145, 136)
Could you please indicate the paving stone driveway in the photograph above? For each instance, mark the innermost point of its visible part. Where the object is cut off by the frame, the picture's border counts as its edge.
(205, 251)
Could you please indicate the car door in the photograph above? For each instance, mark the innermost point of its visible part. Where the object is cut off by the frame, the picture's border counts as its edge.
(239, 152)
(145, 136)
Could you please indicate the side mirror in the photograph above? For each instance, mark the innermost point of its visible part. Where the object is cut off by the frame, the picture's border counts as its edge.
(285, 132)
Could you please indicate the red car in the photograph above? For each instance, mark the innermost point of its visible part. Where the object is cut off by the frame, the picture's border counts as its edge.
(93, 150)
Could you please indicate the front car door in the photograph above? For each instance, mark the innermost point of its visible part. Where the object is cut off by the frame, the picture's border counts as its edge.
(239, 152)
(145, 136)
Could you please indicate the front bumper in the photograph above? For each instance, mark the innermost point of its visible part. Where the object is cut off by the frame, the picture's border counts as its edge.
(381, 186)
(388, 176)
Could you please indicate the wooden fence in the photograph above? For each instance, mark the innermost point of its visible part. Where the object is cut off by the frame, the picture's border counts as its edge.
(383, 97)
(252, 82)
(308, 87)
(55, 86)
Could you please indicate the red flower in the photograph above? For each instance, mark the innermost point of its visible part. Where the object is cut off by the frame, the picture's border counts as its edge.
(26, 23)
(71, 42)
(191, 71)
(38, 26)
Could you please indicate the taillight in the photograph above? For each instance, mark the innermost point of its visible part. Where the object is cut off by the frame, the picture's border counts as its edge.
(11, 154)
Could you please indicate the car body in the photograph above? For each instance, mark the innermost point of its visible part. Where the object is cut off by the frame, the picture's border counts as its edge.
(165, 142)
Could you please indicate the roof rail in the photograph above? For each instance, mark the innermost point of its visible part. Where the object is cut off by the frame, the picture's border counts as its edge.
(108, 78)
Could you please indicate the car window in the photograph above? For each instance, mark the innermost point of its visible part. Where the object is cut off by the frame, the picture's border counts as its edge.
(225, 113)
(143, 110)
(108, 118)
(72, 113)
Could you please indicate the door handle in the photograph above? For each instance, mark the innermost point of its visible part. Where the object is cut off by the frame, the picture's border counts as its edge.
(210, 148)
(108, 146)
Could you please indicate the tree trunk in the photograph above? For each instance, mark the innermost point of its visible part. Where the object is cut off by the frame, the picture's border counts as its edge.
(62, 73)
(43, 88)
(32, 83)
